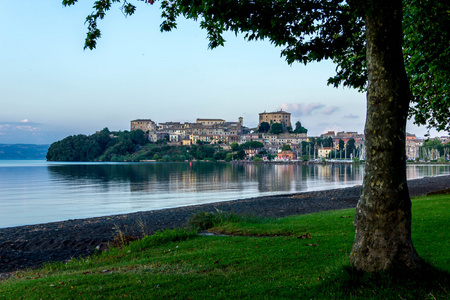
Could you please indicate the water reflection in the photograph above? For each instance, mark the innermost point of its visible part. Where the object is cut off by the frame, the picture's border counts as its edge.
(417, 171)
(208, 177)
(45, 192)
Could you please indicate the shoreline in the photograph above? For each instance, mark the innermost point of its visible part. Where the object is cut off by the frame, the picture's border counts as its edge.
(30, 246)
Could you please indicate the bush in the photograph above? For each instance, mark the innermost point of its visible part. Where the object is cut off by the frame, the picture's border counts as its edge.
(206, 220)
(229, 157)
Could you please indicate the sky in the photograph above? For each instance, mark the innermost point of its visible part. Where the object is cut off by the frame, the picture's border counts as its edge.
(51, 88)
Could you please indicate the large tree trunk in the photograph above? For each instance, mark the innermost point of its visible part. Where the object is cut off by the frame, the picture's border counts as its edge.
(383, 214)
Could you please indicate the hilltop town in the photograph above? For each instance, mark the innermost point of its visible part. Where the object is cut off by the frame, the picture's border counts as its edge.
(275, 138)
(276, 134)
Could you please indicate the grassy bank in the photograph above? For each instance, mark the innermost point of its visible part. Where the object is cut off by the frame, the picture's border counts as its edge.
(302, 257)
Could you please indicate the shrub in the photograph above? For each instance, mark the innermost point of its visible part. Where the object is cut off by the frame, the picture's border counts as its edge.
(206, 220)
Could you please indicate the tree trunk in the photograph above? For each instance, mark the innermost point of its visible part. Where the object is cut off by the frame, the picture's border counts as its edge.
(383, 214)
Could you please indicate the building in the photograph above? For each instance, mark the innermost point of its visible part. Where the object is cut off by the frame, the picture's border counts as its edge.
(412, 146)
(323, 152)
(155, 136)
(186, 142)
(276, 117)
(209, 121)
(252, 152)
(143, 124)
(286, 155)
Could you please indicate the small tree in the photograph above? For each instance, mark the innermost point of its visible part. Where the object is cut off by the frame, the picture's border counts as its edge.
(350, 147)
(299, 128)
(276, 128)
(286, 147)
(328, 142)
(234, 146)
(229, 157)
(341, 145)
(240, 154)
(264, 127)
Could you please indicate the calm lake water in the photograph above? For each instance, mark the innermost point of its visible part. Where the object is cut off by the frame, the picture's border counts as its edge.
(33, 192)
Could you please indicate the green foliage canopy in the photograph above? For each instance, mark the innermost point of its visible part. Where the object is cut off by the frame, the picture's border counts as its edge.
(264, 127)
(251, 145)
(91, 148)
(286, 147)
(299, 128)
(276, 128)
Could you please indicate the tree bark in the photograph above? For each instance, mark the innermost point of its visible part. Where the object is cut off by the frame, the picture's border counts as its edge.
(383, 214)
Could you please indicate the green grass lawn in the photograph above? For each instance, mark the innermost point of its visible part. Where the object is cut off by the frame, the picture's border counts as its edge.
(298, 257)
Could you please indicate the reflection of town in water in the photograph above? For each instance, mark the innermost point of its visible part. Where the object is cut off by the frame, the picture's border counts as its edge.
(61, 191)
(418, 171)
(210, 177)
(200, 177)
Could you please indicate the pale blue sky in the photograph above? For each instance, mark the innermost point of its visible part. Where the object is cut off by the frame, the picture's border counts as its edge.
(50, 87)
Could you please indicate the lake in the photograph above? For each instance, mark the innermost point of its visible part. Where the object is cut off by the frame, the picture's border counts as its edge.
(33, 192)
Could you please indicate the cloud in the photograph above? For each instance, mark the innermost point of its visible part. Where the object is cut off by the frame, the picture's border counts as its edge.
(351, 116)
(19, 132)
(28, 128)
(329, 110)
(301, 109)
(4, 126)
(30, 133)
(24, 125)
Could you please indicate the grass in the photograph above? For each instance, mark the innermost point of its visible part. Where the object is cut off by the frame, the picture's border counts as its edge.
(299, 257)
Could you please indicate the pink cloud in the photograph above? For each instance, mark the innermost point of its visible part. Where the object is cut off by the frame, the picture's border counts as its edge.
(329, 110)
(301, 109)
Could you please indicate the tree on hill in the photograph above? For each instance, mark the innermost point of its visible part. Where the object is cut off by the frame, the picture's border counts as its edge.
(286, 147)
(276, 128)
(234, 146)
(299, 128)
(251, 145)
(98, 146)
(364, 39)
(264, 127)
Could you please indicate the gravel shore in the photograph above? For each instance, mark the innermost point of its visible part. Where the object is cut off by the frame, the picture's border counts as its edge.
(30, 246)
